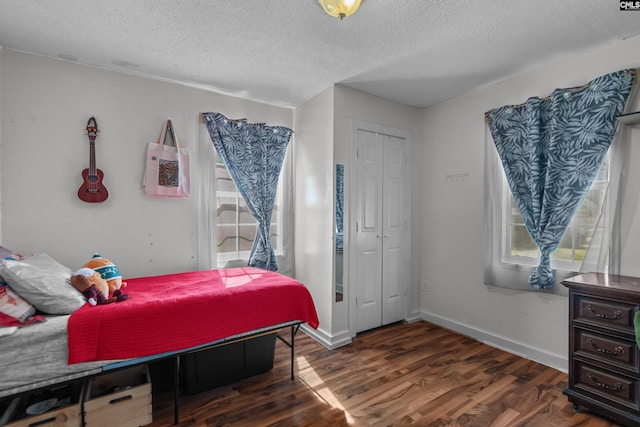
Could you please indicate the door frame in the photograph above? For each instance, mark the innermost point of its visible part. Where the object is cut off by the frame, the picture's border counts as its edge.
(351, 203)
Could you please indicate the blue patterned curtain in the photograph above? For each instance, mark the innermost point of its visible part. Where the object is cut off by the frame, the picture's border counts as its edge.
(253, 154)
(551, 150)
(339, 207)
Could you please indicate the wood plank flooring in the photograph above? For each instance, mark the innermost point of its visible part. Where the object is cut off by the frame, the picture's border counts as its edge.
(417, 374)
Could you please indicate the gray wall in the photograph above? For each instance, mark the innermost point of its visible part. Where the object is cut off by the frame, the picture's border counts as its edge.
(449, 226)
(45, 106)
(313, 200)
(323, 135)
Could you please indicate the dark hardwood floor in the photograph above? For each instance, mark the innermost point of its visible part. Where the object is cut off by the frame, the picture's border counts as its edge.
(417, 374)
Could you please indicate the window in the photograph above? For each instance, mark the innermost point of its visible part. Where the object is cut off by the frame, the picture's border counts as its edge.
(519, 248)
(235, 226)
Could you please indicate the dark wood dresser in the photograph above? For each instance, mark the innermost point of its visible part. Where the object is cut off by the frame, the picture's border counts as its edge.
(604, 361)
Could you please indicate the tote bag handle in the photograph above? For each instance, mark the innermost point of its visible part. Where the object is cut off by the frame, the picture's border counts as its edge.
(167, 129)
(166, 167)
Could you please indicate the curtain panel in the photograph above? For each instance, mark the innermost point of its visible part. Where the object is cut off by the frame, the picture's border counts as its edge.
(253, 153)
(339, 207)
(550, 150)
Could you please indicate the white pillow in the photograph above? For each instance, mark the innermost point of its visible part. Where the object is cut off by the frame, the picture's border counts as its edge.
(43, 282)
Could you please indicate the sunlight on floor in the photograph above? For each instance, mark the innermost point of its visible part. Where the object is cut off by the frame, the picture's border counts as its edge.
(308, 376)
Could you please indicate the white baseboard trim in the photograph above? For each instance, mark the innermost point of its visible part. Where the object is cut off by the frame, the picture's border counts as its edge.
(519, 349)
(329, 341)
(413, 317)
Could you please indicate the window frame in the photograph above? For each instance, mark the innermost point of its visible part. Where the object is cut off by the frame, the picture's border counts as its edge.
(507, 205)
(223, 257)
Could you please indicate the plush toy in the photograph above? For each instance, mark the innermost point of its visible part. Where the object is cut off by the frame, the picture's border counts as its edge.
(94, 288)
(108, 271)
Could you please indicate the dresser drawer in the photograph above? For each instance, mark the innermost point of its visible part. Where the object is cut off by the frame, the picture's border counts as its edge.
(607, 385)
(607, 349)
(611, 314)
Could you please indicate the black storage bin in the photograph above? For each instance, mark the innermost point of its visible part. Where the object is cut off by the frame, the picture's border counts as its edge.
(227, 363)
(162, 374)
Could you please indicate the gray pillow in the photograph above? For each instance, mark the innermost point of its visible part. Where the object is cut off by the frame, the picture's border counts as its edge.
(43, 282)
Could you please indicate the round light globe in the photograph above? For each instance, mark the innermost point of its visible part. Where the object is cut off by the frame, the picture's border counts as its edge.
(340, 8)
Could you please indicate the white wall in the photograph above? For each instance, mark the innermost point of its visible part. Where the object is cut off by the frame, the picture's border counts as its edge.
(352, 105)
(45, 107)
(314, 205)
(449, 226)
(323, 138)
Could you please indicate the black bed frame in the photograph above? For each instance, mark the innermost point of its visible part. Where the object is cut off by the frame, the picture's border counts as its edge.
(295, 326)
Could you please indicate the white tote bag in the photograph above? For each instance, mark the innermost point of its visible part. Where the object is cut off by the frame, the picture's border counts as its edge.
(167, 167)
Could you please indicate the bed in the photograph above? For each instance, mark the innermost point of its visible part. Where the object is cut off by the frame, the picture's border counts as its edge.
(165, 316)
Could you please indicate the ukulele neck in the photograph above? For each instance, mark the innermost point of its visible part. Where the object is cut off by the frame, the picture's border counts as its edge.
(92, 157)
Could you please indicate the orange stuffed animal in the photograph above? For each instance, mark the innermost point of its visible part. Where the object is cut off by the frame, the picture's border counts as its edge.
(94, 288)
(108, 271)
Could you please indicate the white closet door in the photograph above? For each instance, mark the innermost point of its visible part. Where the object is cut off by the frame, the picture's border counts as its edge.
(379, 265)
(369, 232)
(393, 267)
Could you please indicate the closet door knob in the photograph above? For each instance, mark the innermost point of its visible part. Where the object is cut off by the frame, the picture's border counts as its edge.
(386, 235)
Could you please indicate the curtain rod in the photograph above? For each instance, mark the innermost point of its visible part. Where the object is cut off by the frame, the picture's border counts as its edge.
(570, 90)
(201, 121)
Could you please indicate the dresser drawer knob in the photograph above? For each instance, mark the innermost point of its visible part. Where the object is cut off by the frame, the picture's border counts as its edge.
(616, 351)
(616, 387)
(616, 314)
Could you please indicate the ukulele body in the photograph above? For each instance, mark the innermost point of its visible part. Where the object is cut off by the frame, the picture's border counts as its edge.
(92, 189)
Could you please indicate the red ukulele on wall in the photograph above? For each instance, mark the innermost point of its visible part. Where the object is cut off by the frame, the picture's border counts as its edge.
(92, 190)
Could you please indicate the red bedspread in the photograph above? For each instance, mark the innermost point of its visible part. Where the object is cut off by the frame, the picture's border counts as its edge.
(179, 311)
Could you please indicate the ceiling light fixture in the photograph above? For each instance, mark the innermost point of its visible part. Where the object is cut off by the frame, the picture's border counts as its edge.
(340, 8)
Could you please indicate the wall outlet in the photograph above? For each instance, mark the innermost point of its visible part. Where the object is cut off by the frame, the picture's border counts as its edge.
(425, 286)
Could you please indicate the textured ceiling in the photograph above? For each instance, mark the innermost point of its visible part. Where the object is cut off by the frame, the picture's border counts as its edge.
(283, 52)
